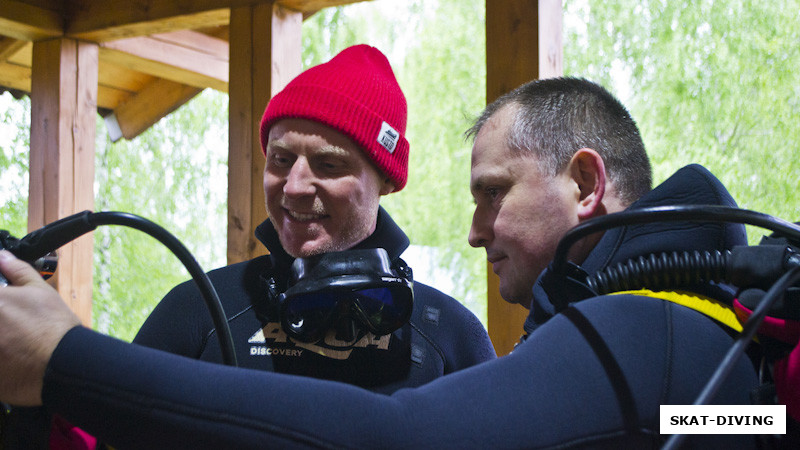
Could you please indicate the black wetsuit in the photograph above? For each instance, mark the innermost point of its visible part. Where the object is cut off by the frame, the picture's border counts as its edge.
(441, 337)
(592, 376)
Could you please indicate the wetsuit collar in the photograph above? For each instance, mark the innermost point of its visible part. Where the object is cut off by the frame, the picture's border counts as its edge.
(387, 235)
(691, 185)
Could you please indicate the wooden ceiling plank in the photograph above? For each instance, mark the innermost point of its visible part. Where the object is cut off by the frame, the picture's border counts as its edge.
(27, 22)
(155, 101)
(19, 78)
(220, 32)
(196, 41)
(15, 77)
(9, 47)
(108, 28)
(106, 20)
(163, 47)
(23, 56)
(122, 78)
(109, 97)
(165, 60)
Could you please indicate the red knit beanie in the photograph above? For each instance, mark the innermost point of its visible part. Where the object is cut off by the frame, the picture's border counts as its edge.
(357, 94)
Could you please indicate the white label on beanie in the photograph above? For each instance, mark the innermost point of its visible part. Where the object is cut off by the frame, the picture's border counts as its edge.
(388, 137)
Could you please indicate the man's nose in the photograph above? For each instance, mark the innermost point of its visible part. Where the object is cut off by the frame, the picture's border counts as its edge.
(480, 231)
(300, 179)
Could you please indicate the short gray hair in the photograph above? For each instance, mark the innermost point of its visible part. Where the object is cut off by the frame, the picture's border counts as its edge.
(556, 117)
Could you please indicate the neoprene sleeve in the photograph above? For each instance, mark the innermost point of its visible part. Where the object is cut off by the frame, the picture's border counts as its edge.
(593, 376)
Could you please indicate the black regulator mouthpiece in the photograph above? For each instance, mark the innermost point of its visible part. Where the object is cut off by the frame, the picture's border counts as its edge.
(46, 264)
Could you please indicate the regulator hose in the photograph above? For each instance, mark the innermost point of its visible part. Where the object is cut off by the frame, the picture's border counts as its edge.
(662, 271)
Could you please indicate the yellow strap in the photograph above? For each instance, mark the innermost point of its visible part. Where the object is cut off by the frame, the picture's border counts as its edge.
(715, 309)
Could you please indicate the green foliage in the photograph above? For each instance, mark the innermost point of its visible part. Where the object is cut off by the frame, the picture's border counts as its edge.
(175, 175)
(170, 174)
(326, 33)
(14, 149)
(711, 82)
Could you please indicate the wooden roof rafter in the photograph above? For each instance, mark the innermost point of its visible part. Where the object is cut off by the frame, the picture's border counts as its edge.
(107, 20)
(162, 47)
(31, 21)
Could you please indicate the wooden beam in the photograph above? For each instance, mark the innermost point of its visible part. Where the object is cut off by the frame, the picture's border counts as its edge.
(265, 43)
(286, 51)
(15, 77)
(113, 24)
(150, 104)
(106, 20)
(110, 97)
(197, 41)
(19, 77)
(9, 47)
(15, 64)
(27, 22)
(186, 57)
(18, 52)
(122, 78)
(523, 42)
(63, 108)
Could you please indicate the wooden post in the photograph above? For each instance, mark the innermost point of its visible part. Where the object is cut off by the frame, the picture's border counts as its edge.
(523, 42)
(265, 46)
(63, 118)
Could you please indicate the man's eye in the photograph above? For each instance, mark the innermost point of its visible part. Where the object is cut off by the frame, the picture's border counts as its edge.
(492, 192)
(279, 160)
(331, 165)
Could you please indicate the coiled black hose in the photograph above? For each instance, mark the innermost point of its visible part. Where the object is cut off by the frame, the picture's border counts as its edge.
(662, 271)
(697, 213)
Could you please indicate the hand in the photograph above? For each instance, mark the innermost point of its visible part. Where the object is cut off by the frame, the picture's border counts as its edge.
(33, 319)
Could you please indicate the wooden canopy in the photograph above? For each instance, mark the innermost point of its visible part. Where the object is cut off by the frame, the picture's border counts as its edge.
(134, 62)
(152, 56)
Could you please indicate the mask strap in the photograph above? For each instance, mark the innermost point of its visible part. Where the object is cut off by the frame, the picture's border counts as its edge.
(270, 308)
(402, 269)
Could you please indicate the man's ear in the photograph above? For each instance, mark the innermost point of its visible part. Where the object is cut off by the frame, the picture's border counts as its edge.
(589, 173)
(387, 187)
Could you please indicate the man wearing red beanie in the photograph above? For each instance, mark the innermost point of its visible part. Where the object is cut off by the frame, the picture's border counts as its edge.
(334, 141)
